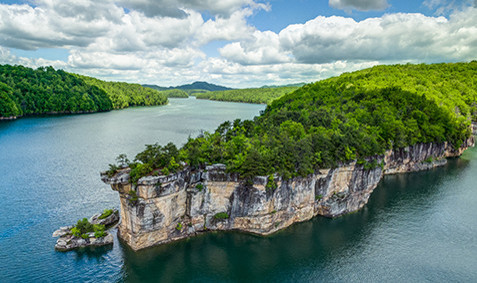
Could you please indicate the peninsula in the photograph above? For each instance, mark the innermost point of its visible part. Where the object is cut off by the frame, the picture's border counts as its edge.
(320, 150)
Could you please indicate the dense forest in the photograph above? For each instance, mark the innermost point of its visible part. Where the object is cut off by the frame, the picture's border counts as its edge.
(172, 93)
(44, 90)
(249, 95)
(25, 91)
(322, 125)
(175, 93)
(124, 95)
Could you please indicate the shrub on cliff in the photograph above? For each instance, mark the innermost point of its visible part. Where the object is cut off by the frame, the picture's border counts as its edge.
(83, 227)
(106, 213)
(221, 216)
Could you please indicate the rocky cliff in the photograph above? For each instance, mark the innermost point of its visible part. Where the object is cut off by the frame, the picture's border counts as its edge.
(161, 209)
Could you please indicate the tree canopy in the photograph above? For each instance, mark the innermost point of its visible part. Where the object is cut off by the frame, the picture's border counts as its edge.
(334, 121)
(25, 91)
(248, 95)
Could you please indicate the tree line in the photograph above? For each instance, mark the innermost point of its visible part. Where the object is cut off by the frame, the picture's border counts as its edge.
(27, 91)
(248, 95)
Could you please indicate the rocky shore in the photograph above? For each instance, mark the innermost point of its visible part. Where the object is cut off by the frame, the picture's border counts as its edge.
(161, 209)
(8, 118)
(67, 241)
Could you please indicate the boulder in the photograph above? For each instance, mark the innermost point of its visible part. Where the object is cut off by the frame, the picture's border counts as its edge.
(67, 241)
(108, 221)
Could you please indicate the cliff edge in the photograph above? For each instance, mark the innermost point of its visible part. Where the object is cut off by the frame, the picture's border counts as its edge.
(160, 209)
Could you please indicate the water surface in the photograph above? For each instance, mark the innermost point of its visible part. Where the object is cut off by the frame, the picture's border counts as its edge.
(416, 227)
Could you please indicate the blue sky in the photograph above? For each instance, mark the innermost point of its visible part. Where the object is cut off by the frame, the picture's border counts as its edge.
(238, 43)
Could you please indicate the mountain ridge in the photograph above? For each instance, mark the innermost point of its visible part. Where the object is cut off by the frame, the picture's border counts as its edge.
(201, 85)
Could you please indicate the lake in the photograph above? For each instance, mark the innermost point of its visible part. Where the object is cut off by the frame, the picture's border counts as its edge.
(416, 227)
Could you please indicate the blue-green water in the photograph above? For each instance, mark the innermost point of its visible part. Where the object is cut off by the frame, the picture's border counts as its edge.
(416, 227)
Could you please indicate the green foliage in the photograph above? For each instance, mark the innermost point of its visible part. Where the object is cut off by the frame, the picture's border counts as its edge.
(176, 93)
(112, 170)
(318, 197)
(124, 95)
(250, 95)
(154, 157)
(271, 184)
(100, 234)
(25, 91)
(46, 90)
(8, 107)
(351, 117)
(132, 197)
(122, 160)
(76, 232)
(200, 187)
(83, 227)
(139, 170)
(221, 216)
(430, 159)
(106, 213)
(179, 226)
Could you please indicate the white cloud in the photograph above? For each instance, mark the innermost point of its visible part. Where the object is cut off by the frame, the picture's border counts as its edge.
(238, 75)
(106, 41)
(361, 5)
(390, 37)
(260, 48)
(178, 8)
(6, 57)
(234, 27)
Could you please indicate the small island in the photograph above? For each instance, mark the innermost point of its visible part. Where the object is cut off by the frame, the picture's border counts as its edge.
(88, 232)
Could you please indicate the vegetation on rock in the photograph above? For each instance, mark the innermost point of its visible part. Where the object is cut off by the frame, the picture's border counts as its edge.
(106, 213)
(221, 216)
(83, 227)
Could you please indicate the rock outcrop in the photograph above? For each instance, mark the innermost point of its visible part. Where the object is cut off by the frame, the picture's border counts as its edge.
(161, 209)
(68, 241)
(8, 118)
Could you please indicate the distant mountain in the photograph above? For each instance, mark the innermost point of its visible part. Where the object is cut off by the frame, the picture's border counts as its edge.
(196, 85)
(156, 87)
(204, 86)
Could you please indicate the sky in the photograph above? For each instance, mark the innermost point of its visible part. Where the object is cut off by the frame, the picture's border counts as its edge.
(236, 43)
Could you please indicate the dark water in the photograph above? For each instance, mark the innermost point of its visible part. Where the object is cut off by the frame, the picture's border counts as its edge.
(416, 227)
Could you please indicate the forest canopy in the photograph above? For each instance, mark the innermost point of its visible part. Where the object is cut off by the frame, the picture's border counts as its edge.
(334, 121)
(248, 95)
(25, 91)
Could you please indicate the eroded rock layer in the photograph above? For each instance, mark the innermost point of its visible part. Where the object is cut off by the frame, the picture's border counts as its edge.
(161, 209)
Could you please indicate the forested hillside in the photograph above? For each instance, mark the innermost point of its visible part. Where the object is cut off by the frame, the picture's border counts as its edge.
(249, 95)
(321, 125)
(25, 91)
(175, 93)
(124, 95)
(45, 90)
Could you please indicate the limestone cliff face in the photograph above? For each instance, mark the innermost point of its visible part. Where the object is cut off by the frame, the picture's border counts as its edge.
(166, 208)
